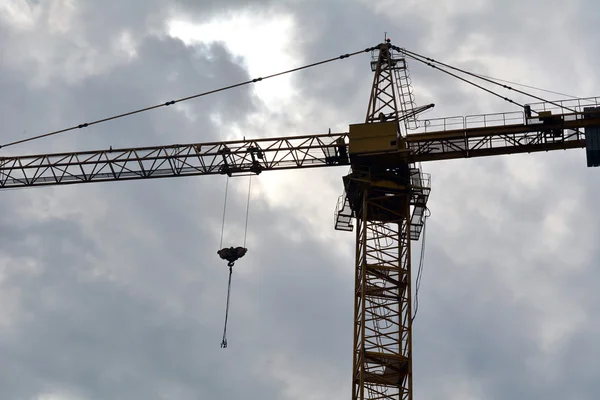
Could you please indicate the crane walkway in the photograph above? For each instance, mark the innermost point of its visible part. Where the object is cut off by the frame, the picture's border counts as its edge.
(507, 118)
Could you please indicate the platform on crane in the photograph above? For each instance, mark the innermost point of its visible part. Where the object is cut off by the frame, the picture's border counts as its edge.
(393, 368)
(384, 188)
(343, 215)
(377, 154)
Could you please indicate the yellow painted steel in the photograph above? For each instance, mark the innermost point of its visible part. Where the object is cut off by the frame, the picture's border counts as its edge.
(559, 121)
(372, 138)
(382, 307)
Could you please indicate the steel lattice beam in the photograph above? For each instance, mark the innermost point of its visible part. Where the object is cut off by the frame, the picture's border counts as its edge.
(236, 157)
(562, 134)
(383, 98)
(282, 153)
(382, 333)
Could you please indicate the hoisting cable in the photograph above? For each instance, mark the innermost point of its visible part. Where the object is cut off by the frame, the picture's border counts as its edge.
(247, 209)
(231, 262)
(224, 211)
(430, 61)
(420, 269)
(169, 103)
(224, 341)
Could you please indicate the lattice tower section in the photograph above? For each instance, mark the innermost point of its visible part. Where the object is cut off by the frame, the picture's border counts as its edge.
(392, 94)
(382, 335)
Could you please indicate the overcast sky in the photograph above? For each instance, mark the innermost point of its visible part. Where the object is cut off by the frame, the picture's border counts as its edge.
(115, 290)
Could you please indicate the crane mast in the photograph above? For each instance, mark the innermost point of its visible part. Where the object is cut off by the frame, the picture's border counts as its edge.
(385, 192)
(380, 192)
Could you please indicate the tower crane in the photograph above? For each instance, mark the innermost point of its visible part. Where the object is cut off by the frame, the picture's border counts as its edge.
(385, 192)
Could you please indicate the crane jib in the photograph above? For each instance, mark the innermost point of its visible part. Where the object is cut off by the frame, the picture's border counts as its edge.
(545, 133)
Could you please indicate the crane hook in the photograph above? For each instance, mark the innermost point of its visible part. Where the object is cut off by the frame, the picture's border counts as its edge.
(232, 254)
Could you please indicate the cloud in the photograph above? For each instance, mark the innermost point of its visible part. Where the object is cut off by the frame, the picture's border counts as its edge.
(115, 290)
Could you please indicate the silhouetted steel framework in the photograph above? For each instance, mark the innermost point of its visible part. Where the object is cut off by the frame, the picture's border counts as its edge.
(385, 192)
(255, 156)
(379, 193)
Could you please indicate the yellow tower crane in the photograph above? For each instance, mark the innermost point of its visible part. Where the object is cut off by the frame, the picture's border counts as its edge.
(385, 195)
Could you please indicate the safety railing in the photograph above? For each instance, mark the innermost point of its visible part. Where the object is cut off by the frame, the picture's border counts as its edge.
(565, 106)
(498, 119)
(568, 106)
(419, 181)
(440, 124)
(470, 121)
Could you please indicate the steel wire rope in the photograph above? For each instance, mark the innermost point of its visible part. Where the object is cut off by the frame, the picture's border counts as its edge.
(527, 86)
(430, 64)
(224, 212)
(420, 269)
(247, 209)
(168, 103)
(536, 88)
(224, 341)
(430, 61)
